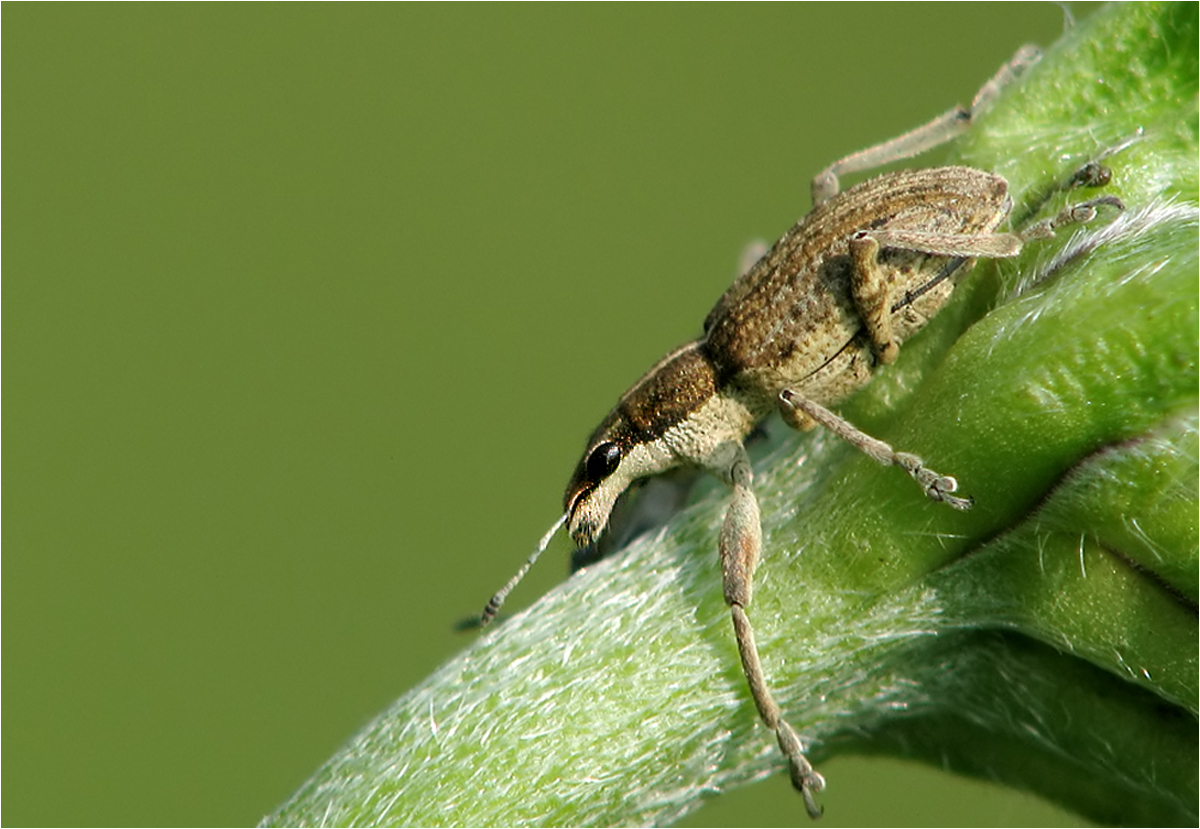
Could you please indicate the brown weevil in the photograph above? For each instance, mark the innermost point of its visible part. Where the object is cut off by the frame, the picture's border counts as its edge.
(800, 330)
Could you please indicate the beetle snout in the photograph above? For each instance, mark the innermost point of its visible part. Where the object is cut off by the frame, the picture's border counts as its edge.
(588, 514)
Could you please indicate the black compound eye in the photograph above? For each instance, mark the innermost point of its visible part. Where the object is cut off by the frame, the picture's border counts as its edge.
(603, 461)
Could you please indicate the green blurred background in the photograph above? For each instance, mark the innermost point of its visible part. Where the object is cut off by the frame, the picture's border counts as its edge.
(309, 310)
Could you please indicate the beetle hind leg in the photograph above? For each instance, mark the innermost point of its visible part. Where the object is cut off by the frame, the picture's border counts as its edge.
(953, 122)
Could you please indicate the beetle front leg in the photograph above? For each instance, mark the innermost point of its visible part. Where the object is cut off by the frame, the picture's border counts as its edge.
(741, 542)
(937, 486)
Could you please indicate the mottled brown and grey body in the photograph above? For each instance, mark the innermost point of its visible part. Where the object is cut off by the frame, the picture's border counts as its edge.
(800, 330)
(792, 320)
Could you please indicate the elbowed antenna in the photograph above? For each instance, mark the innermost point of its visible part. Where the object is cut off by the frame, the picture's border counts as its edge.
(493, 606)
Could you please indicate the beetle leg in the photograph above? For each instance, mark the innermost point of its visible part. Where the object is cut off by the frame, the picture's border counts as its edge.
(1072, 214)
(870, 290)
(953, 122)
(741, 542)
(865, 244)
(937, 486)
(872, 297)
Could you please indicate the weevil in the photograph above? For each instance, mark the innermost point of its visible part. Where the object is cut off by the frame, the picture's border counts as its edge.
(804, 327)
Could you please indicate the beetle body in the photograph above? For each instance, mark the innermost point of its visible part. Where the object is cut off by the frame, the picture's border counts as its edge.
(790, 322)
(800, 330)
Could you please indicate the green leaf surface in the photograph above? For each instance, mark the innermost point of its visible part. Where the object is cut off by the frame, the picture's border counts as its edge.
(1046, 638)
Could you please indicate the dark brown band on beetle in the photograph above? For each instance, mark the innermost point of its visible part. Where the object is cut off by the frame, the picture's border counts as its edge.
(666, 395)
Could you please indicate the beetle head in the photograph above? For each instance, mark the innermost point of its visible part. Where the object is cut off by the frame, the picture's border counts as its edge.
(639, 438)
